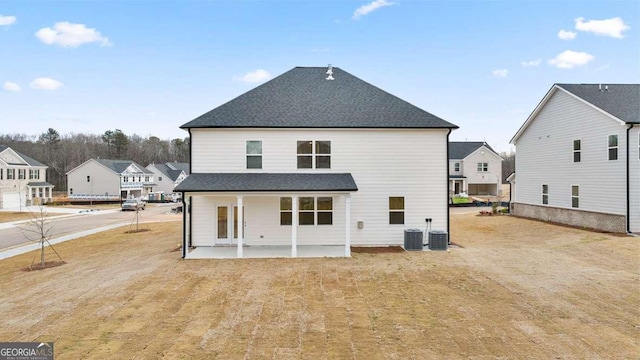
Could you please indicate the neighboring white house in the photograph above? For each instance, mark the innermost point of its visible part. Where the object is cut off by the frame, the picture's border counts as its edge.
(578, 158)
(168, 175)
(23, 180)
(109, 179)
(315, 156)
(474, 168)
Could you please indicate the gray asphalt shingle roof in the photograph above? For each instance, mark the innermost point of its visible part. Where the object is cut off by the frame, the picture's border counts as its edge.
(29, 160)
(119, 166)
(303, 98)
(459, 150)
(168, 172)
(256, 182)
(179, 166)
(619, 100)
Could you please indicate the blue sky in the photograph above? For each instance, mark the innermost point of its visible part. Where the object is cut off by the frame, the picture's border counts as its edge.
(147, 67)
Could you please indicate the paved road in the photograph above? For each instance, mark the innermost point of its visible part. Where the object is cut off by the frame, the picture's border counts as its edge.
(15, 235)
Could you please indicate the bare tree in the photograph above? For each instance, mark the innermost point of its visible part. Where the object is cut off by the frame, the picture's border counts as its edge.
(38, 228)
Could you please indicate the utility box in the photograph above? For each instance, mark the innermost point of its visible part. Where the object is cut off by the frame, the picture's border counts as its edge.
(413, 239)
(438, 240)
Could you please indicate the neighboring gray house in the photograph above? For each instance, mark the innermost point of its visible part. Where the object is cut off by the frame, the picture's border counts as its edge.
(578, 158)
(474, 168)
(169, 175)
(109, 179)
(23, 180)
(315, 156)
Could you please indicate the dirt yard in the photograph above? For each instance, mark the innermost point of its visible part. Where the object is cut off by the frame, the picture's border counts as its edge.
(8, 216)
(514, 289)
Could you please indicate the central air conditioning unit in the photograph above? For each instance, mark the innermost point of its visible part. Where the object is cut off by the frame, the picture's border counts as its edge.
(438, 240)
(413, 239)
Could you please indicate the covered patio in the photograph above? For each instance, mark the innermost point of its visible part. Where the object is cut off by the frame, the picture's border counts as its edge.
(278, 206)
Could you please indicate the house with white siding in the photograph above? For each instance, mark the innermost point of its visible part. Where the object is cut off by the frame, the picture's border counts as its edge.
(578, 158)
(23, 180)
(109, 179)
(474, 169)
(168, 175)
(315, 156)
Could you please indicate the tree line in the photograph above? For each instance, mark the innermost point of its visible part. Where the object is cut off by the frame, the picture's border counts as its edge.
(62, 153)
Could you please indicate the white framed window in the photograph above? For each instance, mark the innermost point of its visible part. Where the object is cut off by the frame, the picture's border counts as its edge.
(254, 154)
(612, 147)
(483, 167)
(577, 151)
(159, 178)
(315, 211)
(396, 210)
(456, 167)
(575, 196)
(545, 194)
(146, 179)
(11, 174)
(314, 154)
(286, 213)
(34, 174)
(22, 174)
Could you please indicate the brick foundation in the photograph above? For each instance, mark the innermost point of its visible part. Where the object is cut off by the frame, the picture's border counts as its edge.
(588, 219)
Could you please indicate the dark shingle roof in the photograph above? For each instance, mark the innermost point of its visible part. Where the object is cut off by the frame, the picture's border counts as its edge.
(251, 182)
(168, 172)
(39, 184)
(303, 98)
(179, 166)
(619, 100)
(119, 166)
(30, 161)
(459, 150)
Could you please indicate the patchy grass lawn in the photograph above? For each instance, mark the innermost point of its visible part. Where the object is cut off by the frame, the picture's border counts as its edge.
(8, 216)
(516, 289)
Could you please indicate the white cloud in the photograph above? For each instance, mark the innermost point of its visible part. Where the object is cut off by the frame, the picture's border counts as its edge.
(372, 6)
(569, 59)
(11, 86)
(71, 35)
(609, 27)
(566, 35)
(531, 63)
(500, 73)
(44, 83)
(7, 20)
(259, 75)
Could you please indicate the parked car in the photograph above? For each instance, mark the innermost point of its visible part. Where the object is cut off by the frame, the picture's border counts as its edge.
(133, 204)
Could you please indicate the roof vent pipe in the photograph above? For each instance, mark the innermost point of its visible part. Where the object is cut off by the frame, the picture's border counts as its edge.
(330, 73)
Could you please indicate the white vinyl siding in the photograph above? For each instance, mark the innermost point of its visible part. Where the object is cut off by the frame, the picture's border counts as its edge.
(412, 160)
(634, 179)
(562, 120)
(103, 180)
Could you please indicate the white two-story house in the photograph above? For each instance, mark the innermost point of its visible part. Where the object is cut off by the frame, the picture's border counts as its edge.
(23, 180)
(578, 158)
(315, 156)
(474, 169)
(109, 179)
(168, 175)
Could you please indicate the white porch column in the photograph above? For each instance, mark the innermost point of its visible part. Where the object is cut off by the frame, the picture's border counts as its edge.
(30, 192)
(294, 226)
(347, 220)
(240, 225)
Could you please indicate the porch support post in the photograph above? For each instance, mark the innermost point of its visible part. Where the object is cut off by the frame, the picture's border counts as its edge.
(294, 226)
(347, 221)
(240, 225)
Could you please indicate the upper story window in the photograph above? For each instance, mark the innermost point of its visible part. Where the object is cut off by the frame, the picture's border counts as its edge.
(613, 147)
(146, 179)
(575, 196)
(577, 150)
(11, 175)
(483, 167)
(1, 174)
(34, 174)
(545, 194)
(314, 154)
(396, 210)
(160, 178)
(254, 154)
(22, 174)
(456, 167)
